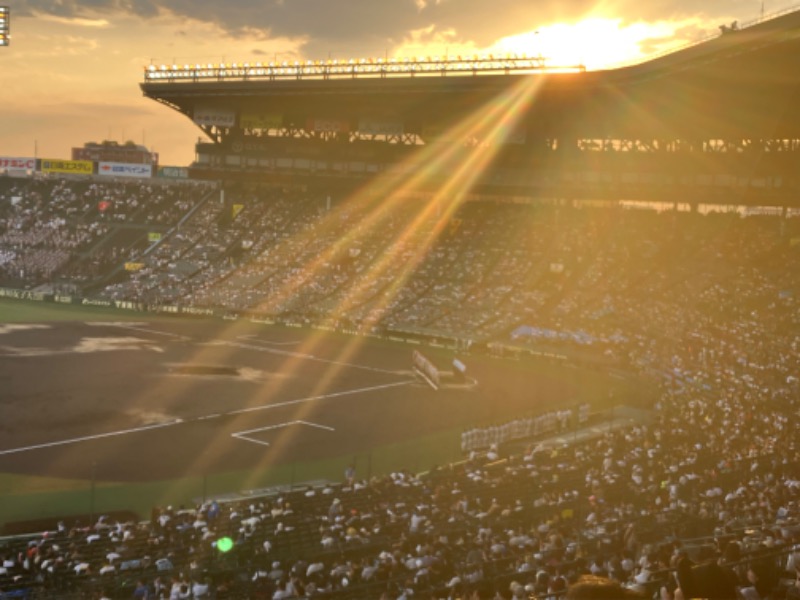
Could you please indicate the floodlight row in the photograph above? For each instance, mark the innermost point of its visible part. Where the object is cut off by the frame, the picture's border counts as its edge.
(336, 68)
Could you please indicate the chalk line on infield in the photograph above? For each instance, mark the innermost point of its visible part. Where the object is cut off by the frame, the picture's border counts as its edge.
(245, 435)
(99, 436)
(137, 327)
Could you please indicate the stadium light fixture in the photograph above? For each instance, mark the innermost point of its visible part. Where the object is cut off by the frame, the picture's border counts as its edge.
(5, 25)
(368, 67)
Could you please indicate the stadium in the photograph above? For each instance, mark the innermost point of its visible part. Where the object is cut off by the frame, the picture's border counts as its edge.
(454, 327)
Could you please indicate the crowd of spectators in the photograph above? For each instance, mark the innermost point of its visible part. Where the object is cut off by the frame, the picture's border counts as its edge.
(67, 234)
(704, 501)
(618, 278)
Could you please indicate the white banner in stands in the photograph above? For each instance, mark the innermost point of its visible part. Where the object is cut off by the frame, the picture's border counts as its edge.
(426, 368)
(17, 163)
(379, 127)
(214, 116)
(327, 125)
(115, 169)
(173, 172)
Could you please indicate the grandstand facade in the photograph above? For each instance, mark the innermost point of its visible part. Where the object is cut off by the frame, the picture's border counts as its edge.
(717, 119)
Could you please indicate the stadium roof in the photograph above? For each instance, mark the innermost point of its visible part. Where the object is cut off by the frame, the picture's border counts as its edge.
(750, 72)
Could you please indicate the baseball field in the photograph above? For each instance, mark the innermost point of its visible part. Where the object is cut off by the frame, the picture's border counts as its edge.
(104, 410)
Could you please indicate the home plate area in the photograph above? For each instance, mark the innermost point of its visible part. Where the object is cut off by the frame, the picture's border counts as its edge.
(165, 398)
(257, 435)
(159, 399)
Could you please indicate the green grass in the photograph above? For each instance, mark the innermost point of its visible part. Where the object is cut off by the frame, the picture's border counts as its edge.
(30, 498)
(23, 311)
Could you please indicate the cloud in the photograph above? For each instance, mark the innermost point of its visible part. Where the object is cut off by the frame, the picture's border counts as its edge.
(71, 9)
(357, 27)
(433, 41)
(423, 4)
(60, 46)
(115, 38)
(76, 21)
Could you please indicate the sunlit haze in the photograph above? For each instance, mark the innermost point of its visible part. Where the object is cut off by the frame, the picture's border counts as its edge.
(72, 78)
(595, 43)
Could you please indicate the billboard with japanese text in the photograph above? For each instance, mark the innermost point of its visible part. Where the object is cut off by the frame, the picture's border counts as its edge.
(115, 169)
(17, 163)
(76, 167)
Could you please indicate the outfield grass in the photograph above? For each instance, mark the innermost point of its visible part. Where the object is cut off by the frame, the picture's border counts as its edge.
(31, 498)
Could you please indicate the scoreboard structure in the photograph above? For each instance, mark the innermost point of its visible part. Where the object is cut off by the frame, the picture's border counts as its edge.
(5, 25)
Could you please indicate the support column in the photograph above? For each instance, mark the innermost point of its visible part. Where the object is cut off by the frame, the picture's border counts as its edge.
(784, 212)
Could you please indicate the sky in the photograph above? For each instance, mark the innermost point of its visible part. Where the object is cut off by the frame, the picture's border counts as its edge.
(71, 74)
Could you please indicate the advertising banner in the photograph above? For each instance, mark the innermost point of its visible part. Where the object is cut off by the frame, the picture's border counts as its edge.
(97, 302)
(257, 121)
(328, 125)
(426, 368)
(215, 116)
(56, 165)
(21, 294)
(193, 310)
(380, 127)
(17, 163)
(115, 169)
(173, 172)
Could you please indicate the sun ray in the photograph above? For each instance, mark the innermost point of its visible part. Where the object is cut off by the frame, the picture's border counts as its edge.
(490, 125)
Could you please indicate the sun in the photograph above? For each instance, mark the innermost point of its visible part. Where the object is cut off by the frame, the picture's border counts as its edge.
(594, 43)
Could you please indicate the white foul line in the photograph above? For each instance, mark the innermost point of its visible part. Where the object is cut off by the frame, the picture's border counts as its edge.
(87, 438)
(280, 425)
(247, 439)
(99, 436)
(321, 397)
